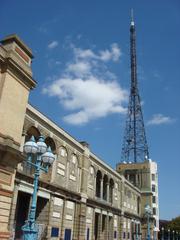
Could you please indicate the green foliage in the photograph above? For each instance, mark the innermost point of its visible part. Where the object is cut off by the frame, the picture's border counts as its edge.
(174, 224)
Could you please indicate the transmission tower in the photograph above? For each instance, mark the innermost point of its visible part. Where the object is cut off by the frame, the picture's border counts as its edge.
(135, 148)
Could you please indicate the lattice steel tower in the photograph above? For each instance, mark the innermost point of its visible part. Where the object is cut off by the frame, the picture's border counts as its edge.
(135, 148)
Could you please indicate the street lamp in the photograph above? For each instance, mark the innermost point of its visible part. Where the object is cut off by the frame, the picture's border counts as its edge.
(136, 229)
(43, 159)
(148, 213)
(168, 234)
(173, 234)
(162, 233)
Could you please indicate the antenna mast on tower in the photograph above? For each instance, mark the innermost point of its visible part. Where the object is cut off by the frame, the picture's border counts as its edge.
(135, 148)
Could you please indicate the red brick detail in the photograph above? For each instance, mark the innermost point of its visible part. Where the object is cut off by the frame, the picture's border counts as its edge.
(5, 193)
(20, 52)
(4, 235)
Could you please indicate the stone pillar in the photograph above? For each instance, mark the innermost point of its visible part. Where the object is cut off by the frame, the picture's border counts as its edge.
(106, 228)
(93, 225)
(76, 222)
(110, 227)
(84, 165)
(121, 226)
(101, 189)
(137, 182)
(50, 214)
(63, 221)
(112, 194)
(107, 192)
(15, 83)
(82, 222)
(12, 213)
(100, 226)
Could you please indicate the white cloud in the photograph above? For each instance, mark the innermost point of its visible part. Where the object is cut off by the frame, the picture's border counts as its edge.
(158, 119)
(79, 68)
(87, 89)
(53, 44)
(113, 53)
(91, 98)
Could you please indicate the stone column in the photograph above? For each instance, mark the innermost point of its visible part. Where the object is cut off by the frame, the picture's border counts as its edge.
(84, 165)
(101, 189)
(12, 212)
(100, 226)
(110, 227)
(14, 78)
(82, 222)
(137, 182)
(121, 226)
(63, 221)
(76, 222)
(107, 192)
(50, 213)
(112, 194)
(106, 228)
(92, 227)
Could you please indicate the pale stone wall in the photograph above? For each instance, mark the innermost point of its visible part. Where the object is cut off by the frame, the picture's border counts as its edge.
(14, 97)
(15, 83)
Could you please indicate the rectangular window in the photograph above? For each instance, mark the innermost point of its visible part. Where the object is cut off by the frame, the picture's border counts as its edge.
(67, 234)
(153, 188)
(124, 235)
(154, 211)
(154, 199)
(54, 232)
(87, 234)
(128, 235)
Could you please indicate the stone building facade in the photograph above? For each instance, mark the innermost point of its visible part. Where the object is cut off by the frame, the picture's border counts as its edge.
(144, 176)
(81, 197)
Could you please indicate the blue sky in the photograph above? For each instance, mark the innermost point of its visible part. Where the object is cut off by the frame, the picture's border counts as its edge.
(81, 64)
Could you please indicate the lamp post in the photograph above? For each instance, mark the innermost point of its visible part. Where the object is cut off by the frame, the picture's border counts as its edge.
(136, 227)
(168, 234)
(162, 233)
(173, 234)
(148, 213)
(132, 229)
(176, 235)
(43, 159)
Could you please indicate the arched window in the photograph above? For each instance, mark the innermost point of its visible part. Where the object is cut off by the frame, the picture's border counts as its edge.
(111, 188)
(63, 152)
(105, 184)
(91, 177)
(98, 183)
(73, 165)
(32, 131)
(62, 162)
(50, 143)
